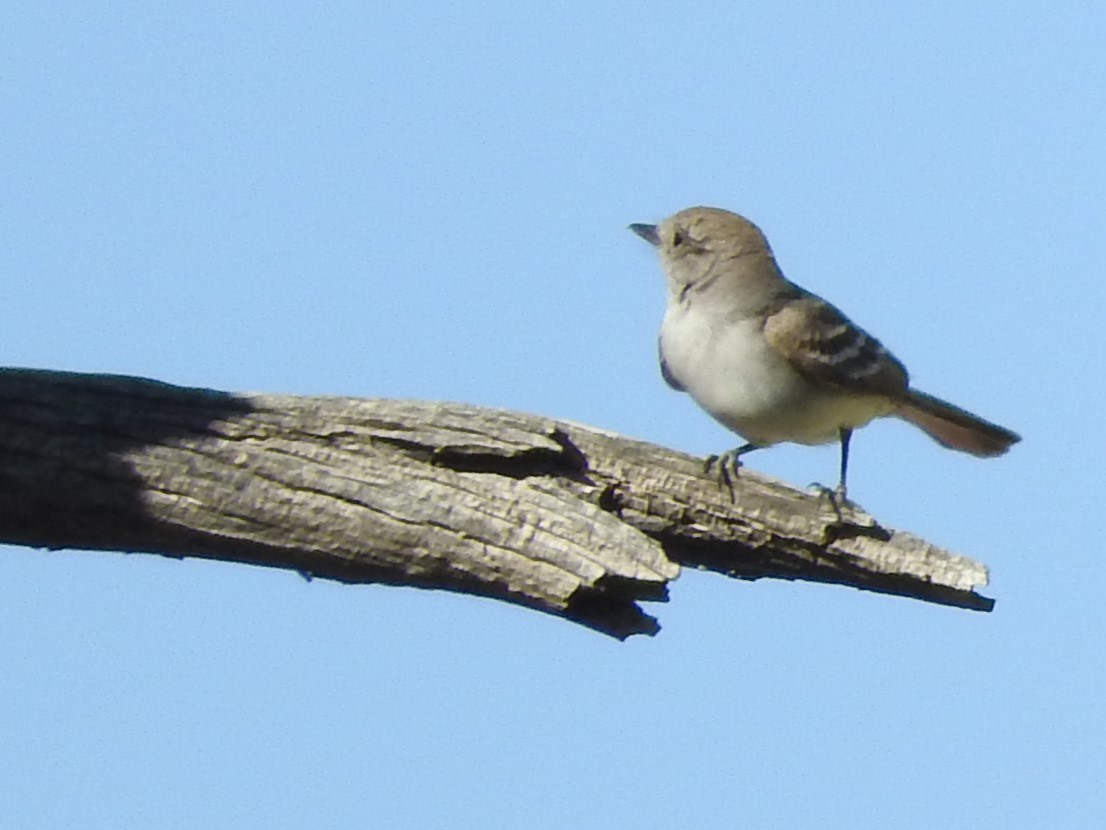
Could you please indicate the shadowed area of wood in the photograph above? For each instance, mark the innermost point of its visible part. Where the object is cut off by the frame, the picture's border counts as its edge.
(560, 517)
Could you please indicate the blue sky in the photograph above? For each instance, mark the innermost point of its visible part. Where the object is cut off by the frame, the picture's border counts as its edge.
(407, 200)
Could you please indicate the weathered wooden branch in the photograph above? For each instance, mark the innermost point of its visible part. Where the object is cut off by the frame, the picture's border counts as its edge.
(560, 517)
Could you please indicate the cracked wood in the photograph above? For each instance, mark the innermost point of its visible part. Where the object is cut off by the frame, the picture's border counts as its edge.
(560, 517)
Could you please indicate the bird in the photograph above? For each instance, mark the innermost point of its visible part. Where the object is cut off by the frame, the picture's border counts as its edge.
(776, 363)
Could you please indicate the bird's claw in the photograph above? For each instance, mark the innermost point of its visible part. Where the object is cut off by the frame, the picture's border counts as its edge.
(726, 466)
(836, 496)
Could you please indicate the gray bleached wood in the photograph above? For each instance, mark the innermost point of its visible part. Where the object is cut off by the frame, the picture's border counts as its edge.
(549, 514)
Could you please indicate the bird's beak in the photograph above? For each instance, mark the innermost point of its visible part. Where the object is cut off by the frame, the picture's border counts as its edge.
(647, 232)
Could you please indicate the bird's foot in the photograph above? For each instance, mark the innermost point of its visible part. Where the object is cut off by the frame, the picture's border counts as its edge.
(837, 498)
(726, 466)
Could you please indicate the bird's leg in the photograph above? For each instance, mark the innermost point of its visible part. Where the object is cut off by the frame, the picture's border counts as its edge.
(846, 433)
(727, 464)
(837, 496)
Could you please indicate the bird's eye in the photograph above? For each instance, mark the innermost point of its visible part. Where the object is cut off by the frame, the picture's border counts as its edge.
(678, 239)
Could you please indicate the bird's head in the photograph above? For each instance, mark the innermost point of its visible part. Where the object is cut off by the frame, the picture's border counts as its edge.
(695, 242)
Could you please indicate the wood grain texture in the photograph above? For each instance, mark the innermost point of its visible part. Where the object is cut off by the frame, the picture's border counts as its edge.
(553, 515)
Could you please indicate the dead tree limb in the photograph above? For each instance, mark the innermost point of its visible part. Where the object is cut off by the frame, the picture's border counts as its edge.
(560, 517)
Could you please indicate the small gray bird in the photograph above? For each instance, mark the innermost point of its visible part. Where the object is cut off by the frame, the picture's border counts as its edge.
(773, 362)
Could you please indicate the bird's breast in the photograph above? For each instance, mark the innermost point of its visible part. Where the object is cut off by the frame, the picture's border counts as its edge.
(726, 366)
(733, 373)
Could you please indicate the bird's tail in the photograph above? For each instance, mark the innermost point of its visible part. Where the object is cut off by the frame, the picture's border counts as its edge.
(954, 427)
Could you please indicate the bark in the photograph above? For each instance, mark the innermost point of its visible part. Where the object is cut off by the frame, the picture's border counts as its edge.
(560, 517)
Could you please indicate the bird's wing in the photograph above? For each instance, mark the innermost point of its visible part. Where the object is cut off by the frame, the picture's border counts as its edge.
(666, 373)
(828, 348)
